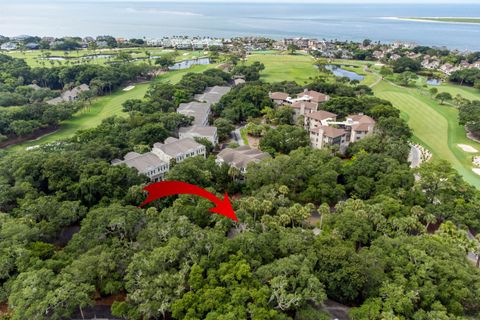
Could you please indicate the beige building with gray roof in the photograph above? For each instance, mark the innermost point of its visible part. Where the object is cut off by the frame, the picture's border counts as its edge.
(148, 164)
(178, 149)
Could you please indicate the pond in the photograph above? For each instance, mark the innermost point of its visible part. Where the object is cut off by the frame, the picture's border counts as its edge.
(339, 72)
(188, 63)
(434, 81)
(99, 56)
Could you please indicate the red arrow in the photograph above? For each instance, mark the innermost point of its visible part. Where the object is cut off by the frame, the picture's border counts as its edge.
(169, 188)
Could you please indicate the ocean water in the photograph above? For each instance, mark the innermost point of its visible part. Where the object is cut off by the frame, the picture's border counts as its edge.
(324, 21)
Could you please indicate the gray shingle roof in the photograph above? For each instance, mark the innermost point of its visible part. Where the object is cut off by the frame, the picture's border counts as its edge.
(213, 94)
(241, 156)
(198, 110)
(179, 146)
(142, 162)
(202, 131)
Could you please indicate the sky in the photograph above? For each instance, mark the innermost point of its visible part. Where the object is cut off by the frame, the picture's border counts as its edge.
(295, 1)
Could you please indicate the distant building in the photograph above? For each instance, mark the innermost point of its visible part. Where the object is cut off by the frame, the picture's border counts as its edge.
(209, 133)
(32, 46)
(240, 157)
(148, 164)
(8, 46)
(178, 149)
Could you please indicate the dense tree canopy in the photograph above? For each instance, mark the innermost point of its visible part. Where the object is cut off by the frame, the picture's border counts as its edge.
(363, 229)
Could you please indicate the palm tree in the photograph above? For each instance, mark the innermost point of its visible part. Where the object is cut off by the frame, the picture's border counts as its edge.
(233, 172)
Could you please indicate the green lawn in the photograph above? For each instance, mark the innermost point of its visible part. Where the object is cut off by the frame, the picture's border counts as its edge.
(35, 58)
(283, 67)
(104, 107)
(435, 126)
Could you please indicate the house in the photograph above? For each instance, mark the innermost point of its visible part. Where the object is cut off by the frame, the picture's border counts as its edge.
(209, 133)
(212, 94)
(8, 46)
(178, 149)
(323, 136)
(303, 107)
(198, 110)
(318, 119)
(279, 97)
(240, 157)
(148, 164)
(69, 95)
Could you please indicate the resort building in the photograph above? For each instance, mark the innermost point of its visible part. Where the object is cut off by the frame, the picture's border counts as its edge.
(279, 97)
(323, 136)
(306, 96)
(178, 149)
(325, 130)
(303, 107)
(319, 118)
(148, 164)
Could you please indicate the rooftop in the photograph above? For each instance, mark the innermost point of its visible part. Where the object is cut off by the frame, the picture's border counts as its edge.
(314, 96)
(198, 110)
(203, 131)
(361, 118)
(173, 147)
(142, 162)
(278, 95)
(213, 94)
(321, 115)
(240, 157)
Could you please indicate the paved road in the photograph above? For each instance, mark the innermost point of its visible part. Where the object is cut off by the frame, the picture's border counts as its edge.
(237, 136)
(414, 157)
(472, 256)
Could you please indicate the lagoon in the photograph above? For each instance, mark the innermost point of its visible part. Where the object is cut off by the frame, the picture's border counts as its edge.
(338, 71)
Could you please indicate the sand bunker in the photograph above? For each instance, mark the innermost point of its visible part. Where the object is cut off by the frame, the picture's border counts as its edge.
(467, 148)
(128, 88)
(476, 170)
